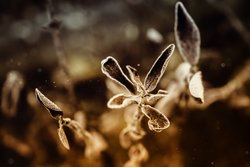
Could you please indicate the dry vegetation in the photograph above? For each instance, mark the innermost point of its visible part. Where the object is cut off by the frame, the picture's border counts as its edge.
(189, 106)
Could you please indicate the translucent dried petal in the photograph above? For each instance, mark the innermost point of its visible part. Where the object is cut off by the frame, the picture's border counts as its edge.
(153, 98)
(157, 121)
(125, 138)
(63, 138)
(158, 69)
(112, 69)
(53, 109)
(135, 78)
(196, 87)
(187, 35)
(182, 72)
(120, 101)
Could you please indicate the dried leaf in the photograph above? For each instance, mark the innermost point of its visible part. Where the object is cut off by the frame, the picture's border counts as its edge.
(187, 35)
(112, 69)
(120, 101)
(157, 121)
(196, 87)
(63, 138)
(158, 69)
(135, 78)
(53, 109)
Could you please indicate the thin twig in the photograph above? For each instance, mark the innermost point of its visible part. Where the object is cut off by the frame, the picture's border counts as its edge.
(233, 19)
(54, 29)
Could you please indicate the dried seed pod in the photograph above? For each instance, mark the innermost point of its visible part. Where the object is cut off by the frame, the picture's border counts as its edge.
(158, 69)
(112, 69)
(62, 137)
(187, 35)
(157, 121)
(196, 87)
(120, 101)
(53, 109)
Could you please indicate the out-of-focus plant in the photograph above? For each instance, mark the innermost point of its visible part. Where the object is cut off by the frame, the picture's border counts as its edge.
(11, 90)
(95, 143)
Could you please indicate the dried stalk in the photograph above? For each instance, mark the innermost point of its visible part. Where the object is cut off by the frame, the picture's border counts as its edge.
(233, 19)
(54, 29)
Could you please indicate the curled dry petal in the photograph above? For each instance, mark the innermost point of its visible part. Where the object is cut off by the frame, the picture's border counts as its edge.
(53, 109)
(153, 98)
(112, 69)
(157, 121)
(62, 137)
(120, 101)
(135, 78)
(158, 69)
(187, 35)
(196, 87)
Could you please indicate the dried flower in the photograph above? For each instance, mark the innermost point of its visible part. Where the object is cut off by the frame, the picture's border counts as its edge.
(139, 92)
(94, 141)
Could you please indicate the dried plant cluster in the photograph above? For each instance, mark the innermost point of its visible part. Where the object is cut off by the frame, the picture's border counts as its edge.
(135, 92)
(140, 100)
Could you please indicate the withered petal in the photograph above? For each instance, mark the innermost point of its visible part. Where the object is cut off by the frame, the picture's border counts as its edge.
(53, 109)
(120, 101)
(158, 69)
(196, 87)
(112, 69)
(157, 121)
(187, 35)
(135, 78)
(63, 138)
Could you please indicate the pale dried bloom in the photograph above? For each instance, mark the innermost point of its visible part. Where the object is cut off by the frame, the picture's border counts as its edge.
(188, 41)
(140, 93)
(95, 143)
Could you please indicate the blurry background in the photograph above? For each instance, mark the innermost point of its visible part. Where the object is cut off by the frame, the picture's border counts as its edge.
(135, 32)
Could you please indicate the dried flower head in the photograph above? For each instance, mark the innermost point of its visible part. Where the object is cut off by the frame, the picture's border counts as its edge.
(140, 92)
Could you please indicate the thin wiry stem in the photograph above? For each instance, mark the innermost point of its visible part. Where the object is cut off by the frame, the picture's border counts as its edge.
(54, 29)
(233, 19)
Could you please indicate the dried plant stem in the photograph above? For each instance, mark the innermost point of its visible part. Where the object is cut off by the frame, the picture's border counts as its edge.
(233, 19)
(54, 29)
(226, 91)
